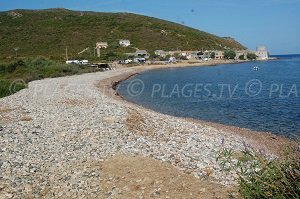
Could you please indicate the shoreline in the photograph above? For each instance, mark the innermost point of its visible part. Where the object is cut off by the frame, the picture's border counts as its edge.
(77, 123)
(270, 142)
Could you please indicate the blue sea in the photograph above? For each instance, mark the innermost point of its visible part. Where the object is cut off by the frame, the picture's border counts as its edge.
(261, 95)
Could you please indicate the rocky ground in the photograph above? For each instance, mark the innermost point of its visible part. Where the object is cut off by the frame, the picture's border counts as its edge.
(65, 138)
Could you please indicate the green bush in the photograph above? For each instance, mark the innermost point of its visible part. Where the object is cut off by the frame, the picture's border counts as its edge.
(251, 56)
(260, 176)
(229, 54)
(242, 57)
(9, 87)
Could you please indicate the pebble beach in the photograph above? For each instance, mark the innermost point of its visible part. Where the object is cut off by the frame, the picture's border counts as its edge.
(57, 135)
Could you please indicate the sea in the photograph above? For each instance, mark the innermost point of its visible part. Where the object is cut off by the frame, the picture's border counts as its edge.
(262, 96)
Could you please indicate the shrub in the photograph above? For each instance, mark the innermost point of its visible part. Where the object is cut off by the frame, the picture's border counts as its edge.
(262, 177)
(2, 68)
(10, 87)
(242, 57)
(229, 54)
(10, 68)
(251, 56)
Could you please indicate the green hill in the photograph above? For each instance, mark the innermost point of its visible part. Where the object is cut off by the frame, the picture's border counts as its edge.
(48, 32)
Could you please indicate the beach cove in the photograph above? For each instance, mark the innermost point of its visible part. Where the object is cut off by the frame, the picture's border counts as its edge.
(265, 99)
(76, 132)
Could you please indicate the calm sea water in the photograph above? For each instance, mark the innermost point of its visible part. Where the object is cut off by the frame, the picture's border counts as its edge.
(266, 98)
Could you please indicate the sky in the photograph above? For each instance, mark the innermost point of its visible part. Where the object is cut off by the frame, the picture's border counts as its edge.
(272, 23)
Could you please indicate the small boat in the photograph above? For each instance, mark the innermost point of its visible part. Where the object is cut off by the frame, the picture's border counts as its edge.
(255, 68)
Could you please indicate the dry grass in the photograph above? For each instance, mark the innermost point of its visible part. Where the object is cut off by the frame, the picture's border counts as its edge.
(4, 114)
(137, 124)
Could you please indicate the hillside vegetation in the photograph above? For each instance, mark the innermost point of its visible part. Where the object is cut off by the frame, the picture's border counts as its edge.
(31, 33)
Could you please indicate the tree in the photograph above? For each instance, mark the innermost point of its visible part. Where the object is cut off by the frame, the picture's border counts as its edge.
(242, 57)
(229, 54)
(213, 55)
(114, 45)
(153, 56)
(123, 56)
(251, 56)
(176, 55)
(166, 58)
(110, 56)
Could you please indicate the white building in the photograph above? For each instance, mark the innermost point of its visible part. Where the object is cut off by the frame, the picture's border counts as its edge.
(262, 53)
(142, 53)
(161, 53)
(139, 53)
(218, 54)
(124, 43)
(101, 45)
(242, 53)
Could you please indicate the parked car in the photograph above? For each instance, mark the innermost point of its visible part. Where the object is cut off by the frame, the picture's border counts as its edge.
(139, 60)
(104, 67)
(128, 61)
(73, 62)
(84, 62)
(172, 59)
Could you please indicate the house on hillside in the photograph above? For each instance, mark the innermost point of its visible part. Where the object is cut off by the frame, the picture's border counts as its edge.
(142, 53)
(196, 55)
(124, 43)
(192, 55)
(218, 54)
(164, 54)
(139, 53)
(161, 53)
(100, 45)
(186, 54)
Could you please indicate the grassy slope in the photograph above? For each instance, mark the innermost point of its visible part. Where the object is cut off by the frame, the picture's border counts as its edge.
(48, 32)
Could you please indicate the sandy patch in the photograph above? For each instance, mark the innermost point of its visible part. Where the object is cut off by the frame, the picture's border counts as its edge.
(141, 177)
